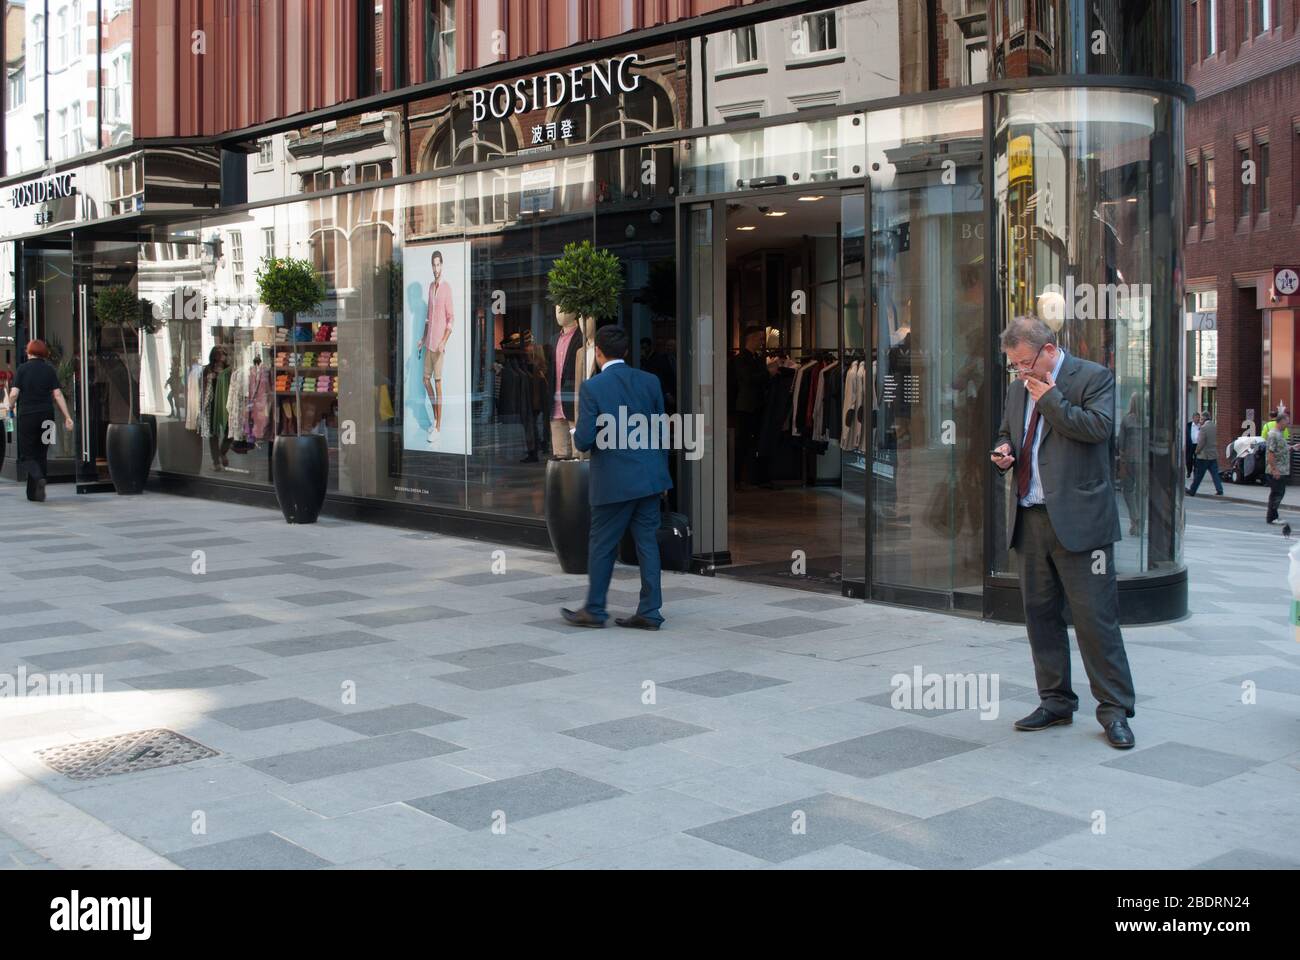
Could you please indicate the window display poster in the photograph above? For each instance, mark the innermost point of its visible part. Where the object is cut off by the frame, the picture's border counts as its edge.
(435, 343)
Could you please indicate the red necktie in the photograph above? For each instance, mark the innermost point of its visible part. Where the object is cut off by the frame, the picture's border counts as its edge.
(1025, 465)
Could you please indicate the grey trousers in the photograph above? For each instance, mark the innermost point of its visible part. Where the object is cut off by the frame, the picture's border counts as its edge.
(1050, 575)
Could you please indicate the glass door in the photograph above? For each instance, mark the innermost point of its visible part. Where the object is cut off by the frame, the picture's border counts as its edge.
(45, 311)
(109, 364)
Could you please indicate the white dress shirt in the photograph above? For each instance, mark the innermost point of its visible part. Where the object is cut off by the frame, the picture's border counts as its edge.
(1035, 495)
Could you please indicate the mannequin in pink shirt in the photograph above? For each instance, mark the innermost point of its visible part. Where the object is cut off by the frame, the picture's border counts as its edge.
(433, 343)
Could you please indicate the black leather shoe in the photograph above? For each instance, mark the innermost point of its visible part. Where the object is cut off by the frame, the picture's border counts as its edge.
(1041, 719)
(581, 618)
(1118, 735)
(40, 491)
(637, 622)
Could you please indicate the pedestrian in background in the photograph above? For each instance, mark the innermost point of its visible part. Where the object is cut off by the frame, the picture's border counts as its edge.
(36, 392)
(1191, 435)
(1207, 457)
(1278, 464)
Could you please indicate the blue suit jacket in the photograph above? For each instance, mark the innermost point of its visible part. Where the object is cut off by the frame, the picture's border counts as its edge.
(618, 473)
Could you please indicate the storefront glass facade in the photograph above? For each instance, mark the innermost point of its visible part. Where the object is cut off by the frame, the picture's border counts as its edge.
(852, 265)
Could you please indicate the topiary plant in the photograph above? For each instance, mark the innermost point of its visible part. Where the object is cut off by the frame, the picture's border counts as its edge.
(586, 281)
(118, 306)
(290, 287)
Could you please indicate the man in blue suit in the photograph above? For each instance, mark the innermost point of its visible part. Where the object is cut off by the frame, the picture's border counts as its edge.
(629, 473)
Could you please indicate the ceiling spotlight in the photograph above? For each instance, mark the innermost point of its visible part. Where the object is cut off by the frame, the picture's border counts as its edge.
(746, 229)
(775, 213)
(810, 199)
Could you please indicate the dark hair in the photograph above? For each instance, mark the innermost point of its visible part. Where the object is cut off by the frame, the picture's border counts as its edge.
(437, 255)
(214, 353)
(612, 342)
(38, 349)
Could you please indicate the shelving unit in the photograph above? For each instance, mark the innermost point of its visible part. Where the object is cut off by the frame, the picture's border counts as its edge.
(317, 405)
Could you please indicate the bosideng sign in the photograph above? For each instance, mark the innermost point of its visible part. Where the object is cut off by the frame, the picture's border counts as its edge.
(550, 90)
(41, 191)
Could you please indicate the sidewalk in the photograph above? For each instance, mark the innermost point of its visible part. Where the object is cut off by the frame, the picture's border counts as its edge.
(380, 698)
(1248, 493)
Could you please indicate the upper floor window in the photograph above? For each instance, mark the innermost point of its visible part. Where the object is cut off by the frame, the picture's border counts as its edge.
(17, 94)
(1263, 15)
(1247, 175)
(1193, 193)
(819, 33)
(265, 152)
(1210, 200)
(38, 44)
(59, 42)
(1261, 175)
(75, 51)
(977, 61)
(744, 45)
(1211, 27)
(439, 38)
(237, 258)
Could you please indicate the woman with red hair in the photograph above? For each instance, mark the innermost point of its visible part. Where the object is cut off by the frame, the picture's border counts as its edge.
(36, 391)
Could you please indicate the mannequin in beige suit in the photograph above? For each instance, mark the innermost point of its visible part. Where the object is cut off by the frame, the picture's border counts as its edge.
(584, 361)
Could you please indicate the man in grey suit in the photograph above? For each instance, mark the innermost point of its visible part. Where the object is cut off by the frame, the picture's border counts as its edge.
(1062, 523)
(1207, 457)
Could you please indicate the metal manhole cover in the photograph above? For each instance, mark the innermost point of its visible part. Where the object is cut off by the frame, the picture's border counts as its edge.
(125, 753)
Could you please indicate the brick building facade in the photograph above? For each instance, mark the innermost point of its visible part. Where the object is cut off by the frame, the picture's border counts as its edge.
(1243, 60)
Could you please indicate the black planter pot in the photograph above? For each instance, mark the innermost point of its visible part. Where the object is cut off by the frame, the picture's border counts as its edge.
(129, 452)
(301, 468)
(568, 512)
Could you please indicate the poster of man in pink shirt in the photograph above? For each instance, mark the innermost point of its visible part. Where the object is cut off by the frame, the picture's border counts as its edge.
(436, 276)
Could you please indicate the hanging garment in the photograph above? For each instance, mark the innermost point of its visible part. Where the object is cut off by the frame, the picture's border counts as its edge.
(193, 389)
(827, 376)
(237, 404)
(259, 403)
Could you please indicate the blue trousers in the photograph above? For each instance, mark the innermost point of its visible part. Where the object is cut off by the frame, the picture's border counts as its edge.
(609, 522)
(1201, 467)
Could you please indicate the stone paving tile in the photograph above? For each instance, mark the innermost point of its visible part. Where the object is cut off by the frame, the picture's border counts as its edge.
(503, 675)
(816, 604)
(1183, 763)
(629, 733)
(519, 798)
(783, 627)
(486, 579)
(352, 756)
(265, 851)
(24, 606)
(92, 656)
(394, 719)
(1243, 859)
(324, 598)
(884, 752)
(200, 679)
(723, 683)
(320, 643)
(271, 713)
(794, 829)
(238, 622)
(140, 555)
(43, 631)
(184, 601)
(498, 653)
(971, 836)
(393, 618)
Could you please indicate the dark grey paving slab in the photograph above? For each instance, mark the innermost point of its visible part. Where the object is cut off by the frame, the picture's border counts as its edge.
(723, 683)
(264, 851)
(519, 798)
(1245, 859)
(884, 752)
(503, 675)
(1183, 763)
(568, 596)
(200, 678)
(783, 627)
(1006, 692)
(150, 522)
(488, 579)
(629, 733)
(112, 653)
(72, 548)
(301, 557)
(329, 574)
(394, 618)
(972, 836)
(322, 643)
(329, 761)
(555, 626)
(165, 532)
(1275, 679)
(211, 625)
(134, 557)
(793, 829)
(208, 542)
(43, 631)
(403, 716)
(100, 572)
(816, 604)
(185, 601)
(493, 655)
(271, 713)
(323, 599)
(24, 606)
(263, 574)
